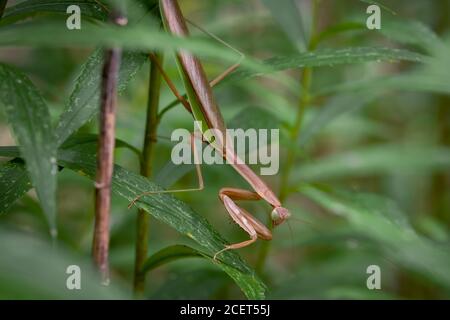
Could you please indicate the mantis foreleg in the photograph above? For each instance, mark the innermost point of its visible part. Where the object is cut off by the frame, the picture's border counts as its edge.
(242, 217)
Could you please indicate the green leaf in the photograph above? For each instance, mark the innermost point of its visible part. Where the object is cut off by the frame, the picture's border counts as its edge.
(332, 277)
(410, 81)
(176, 252)
(170, 254)
(171, 173)
(431, 77)
(30, 119)
(25, 9)
(14, 183)
(164, 207)
(10, 151)
(255, 118)
(143, 37)
(33, 269)
(433, 228)
(90, 140)
(330, 58)
(87, 140)
(377, 218)
(381, 5)
(378, 160)
(14, 180)
(410, 32)
(338, 106)
(84, 101)
(288, 16)
(172, 212)
(337, 29)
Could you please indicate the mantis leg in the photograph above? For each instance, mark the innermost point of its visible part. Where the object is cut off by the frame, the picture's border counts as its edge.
(171, 85)
(230, 69)
(199, 176)
(212, 83)
(193, 137)
(242, 217)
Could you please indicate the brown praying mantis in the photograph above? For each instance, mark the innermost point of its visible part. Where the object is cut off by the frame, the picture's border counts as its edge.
(202, 105)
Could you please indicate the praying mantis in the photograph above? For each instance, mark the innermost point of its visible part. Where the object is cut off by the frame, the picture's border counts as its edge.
(202, 105)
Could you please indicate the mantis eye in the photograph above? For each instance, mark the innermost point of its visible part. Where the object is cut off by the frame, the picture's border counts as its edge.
(279, 214)
(275, 215)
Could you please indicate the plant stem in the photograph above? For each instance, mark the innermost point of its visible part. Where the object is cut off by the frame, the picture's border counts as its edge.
(146, 170)
(440, 180)
(105, 155)
(290, 161)
(304, 101)
(294, 133)
(263, 252)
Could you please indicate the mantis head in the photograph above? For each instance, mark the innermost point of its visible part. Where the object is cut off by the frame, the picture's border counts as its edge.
(279, 215)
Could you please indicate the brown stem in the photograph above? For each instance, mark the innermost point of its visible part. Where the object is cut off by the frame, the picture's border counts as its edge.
(146, 170)
(105, 155)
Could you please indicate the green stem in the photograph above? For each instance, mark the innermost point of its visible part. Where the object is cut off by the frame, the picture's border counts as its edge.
(263, 252)
(146, 170)
(440, 180)
(294, 133)
(170, 106)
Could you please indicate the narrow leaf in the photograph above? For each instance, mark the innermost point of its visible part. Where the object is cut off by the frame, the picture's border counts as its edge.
(173, 212)
(410, 81)
(14, 180)
(287, 15)
(410, 32)
(33, 269)
(338, 106)
(379, 160)
(30, 119)
(139, 37)
(431, 77)
(164, 207)
(381, 5)
(169, 254)
(171, 173)
(255, 118)
(25, 9)
(330, 57)
(10, 152)
(14, 183)
(92, 139)
(377, 218)
(84, 102)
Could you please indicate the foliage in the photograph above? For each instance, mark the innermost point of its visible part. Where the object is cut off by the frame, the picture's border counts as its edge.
(364, 150)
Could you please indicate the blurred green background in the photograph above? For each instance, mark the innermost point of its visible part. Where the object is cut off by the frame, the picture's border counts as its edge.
(369, 184)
